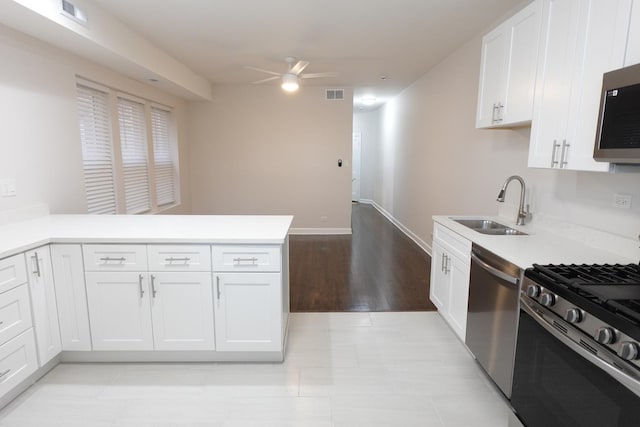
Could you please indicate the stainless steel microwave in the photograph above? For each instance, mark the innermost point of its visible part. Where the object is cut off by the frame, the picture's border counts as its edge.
(618, 133)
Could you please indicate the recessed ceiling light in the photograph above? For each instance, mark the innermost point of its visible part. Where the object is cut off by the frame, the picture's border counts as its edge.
(384, 77)
(369, 100)
(153, 80)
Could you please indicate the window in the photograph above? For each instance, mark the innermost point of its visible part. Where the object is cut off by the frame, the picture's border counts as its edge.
(95, 135)
(129, 163)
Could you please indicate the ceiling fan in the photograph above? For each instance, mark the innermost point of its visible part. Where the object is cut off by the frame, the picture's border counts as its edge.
(291, 78)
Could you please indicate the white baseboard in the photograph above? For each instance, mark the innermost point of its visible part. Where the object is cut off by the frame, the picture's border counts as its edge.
(303, 231)
(410, 234)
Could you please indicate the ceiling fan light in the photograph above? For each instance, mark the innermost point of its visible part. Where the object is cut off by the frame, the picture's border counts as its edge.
(290, 82)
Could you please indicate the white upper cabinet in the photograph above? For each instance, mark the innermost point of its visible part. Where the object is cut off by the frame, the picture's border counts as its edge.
(582, 40)
(507, 70)
(633, 39)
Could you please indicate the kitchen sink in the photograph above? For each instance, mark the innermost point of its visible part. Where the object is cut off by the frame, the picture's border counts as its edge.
(487, 226)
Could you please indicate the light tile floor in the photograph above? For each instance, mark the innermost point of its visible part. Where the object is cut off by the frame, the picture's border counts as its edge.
(341, 369)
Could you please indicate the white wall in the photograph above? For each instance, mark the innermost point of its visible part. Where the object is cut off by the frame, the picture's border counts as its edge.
(368, 124)
(258, 150)
(432, 161)
(39, 136)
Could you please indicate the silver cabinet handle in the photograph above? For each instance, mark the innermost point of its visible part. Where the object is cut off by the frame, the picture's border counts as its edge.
(500, 112)
(170, 260)
(140, 285)
(108, 259)
(564, 152)
(252, 260)
(218, 286)
(493, 113)
(554, 152)
(37, 270)
(442, 262)
(153, 285)
(447, 265)
(2, 374)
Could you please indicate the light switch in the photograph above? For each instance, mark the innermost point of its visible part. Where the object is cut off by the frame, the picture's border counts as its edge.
(8, 187)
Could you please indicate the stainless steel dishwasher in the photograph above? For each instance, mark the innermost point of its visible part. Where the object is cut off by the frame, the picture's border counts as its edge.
(492, 319)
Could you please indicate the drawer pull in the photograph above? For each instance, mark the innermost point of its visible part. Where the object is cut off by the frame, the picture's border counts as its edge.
(252, 260)
(3, 374)
(171, 260)
(107, 259)
(218, 286)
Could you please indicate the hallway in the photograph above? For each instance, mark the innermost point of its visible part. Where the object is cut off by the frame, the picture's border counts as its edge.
(377, 268)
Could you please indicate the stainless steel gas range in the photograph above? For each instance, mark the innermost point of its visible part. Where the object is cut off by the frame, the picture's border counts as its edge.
(577, 359)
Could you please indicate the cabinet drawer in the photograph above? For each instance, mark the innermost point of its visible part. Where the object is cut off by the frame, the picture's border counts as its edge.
(115, 257)
(245, 258)
(15, 313)
(13, 272)
(452, 242)
(18, 360)
(179, 258)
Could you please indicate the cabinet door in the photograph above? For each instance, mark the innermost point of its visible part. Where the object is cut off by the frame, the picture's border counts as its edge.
(71, 297)
(553, 82)
(120, 311)
(458, 271)
(520, 75)
(492, 76)
(439, 285)
(603, 27)
(248, 311)
(43, 300)
(182, 311)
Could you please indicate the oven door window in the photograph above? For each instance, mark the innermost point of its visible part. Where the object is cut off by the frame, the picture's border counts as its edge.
(555, 387)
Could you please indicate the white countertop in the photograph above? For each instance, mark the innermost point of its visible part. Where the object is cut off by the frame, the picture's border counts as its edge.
(205, 229)
(538, 246)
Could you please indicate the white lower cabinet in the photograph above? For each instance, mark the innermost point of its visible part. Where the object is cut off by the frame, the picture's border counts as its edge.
(43, 301)
(119, 310)
(182, 311)
(248, 311)
(449, 286)
(71, 297)
(18, 360)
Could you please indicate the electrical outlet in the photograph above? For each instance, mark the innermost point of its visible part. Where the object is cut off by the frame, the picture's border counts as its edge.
(622, 201)
(8, 187)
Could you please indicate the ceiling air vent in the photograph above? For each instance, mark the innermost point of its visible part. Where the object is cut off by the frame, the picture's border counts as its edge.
(72, 11)
(335, 94)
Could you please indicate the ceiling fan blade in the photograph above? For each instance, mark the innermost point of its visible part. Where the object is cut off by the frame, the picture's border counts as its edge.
(268, 79)
(261, 70)
(299, 67)
(316, 75)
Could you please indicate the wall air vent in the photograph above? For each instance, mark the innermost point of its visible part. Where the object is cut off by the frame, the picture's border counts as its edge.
(72, 11)
(335, 94)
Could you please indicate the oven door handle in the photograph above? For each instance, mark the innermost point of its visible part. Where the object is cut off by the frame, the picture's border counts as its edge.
(633, 384)
(494, 271)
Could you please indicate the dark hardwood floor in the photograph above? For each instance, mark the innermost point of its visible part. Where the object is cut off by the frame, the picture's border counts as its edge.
(377, 268)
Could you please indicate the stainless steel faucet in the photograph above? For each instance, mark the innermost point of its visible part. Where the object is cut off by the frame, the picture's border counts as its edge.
(522, 213)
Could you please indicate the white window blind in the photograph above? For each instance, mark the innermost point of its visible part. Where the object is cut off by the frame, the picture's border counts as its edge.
(95, 137)
(163, 161)
(133, 145)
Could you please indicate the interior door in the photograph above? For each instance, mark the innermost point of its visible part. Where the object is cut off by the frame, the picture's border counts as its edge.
(355, 167)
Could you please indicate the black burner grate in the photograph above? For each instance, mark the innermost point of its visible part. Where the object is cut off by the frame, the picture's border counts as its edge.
(574, 275)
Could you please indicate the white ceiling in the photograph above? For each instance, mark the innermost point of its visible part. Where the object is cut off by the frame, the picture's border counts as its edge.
(361, 40)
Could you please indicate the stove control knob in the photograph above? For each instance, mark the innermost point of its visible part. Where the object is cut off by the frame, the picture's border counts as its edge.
(573, 315)
(533, 291)
(629, 350)
(547, 299)
(605, 335)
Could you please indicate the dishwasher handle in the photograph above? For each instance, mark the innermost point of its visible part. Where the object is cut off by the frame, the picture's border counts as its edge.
(494, 271)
